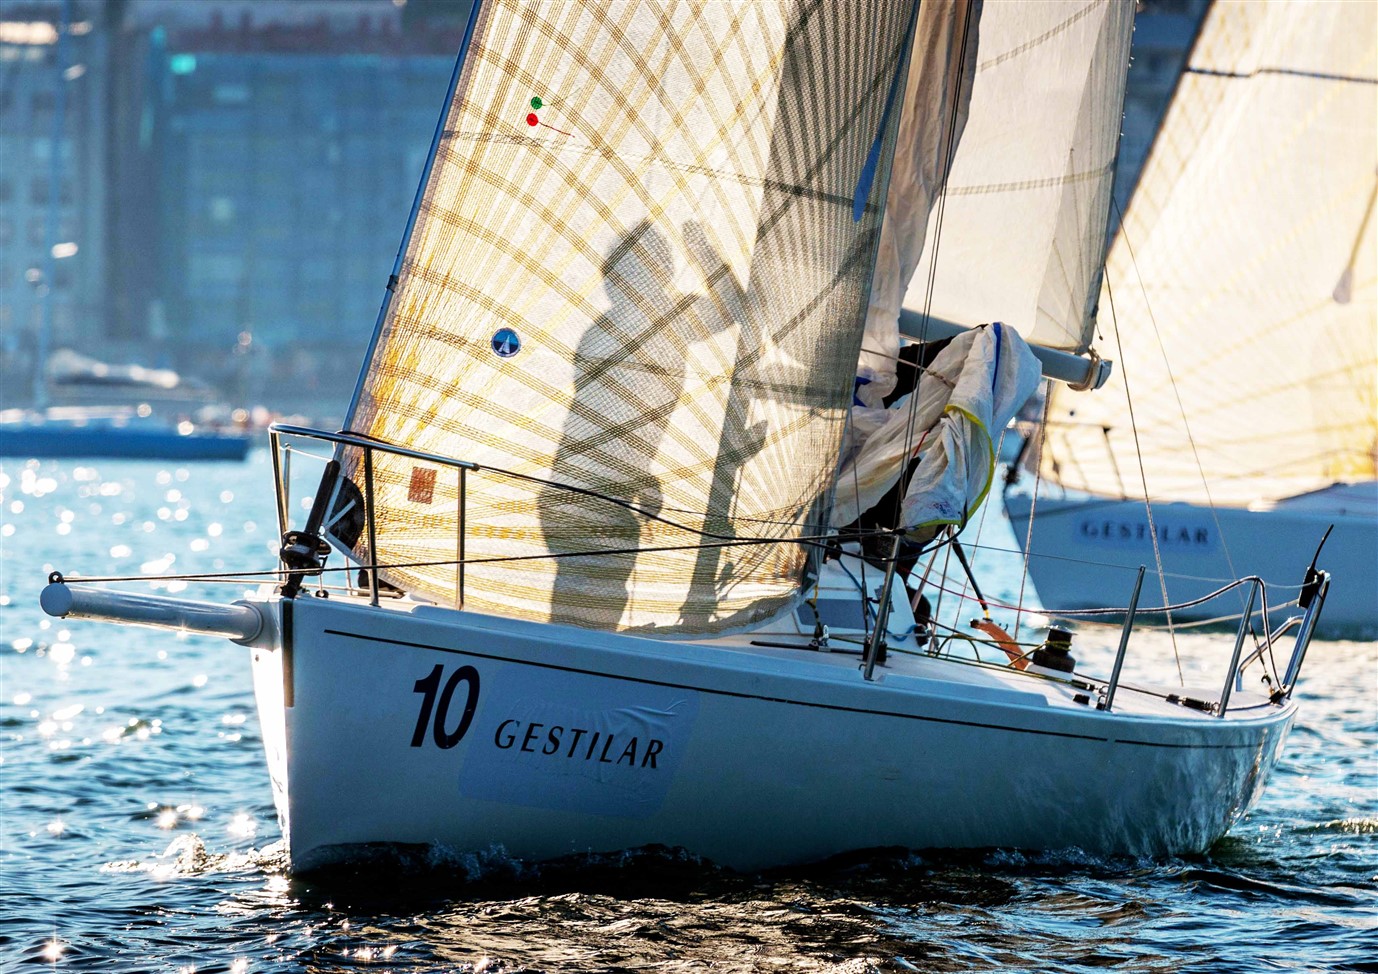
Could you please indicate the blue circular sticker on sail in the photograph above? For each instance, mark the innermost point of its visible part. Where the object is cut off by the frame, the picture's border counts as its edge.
(506, 343)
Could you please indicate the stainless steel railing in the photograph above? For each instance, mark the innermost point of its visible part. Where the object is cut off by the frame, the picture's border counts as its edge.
(282, 473)
(1234, 678)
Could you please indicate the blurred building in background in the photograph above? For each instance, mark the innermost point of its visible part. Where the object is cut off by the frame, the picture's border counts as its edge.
(236, 176)
(231, 178)
(54, 181)
(289, 139)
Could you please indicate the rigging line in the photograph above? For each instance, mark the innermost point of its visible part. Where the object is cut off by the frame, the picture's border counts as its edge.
(821, 539)
(1232, 618)
(1090, 614)
(1033, 503)
(1267, 623)
(978, 662)
(1165, 608)
(861, 550)
(923, 580)
(985, 510)
(1110, 566)
(628, 505)
(881, 353)
(954, 543)
(600, 495)
(1114, 463)
(1177, 394)
(984, 641)
(970, 578)
(1143, 476)
(943, 575)
(865, 602)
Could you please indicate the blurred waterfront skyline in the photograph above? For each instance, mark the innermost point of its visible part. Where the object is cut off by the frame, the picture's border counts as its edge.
(219, 187)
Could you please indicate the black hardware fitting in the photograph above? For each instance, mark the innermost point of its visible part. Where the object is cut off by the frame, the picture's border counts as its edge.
(304, 552)
(1201, 705)
(1311, 582)
(1056, 652)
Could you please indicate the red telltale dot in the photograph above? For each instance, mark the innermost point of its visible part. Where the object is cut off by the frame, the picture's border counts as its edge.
(532, 120)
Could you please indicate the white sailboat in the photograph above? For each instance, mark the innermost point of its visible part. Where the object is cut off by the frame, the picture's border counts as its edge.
(1246, 327)
(594, 595)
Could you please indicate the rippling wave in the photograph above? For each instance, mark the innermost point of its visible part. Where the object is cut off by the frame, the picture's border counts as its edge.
(138, 832)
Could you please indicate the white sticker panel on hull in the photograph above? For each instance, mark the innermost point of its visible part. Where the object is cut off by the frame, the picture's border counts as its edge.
(605, 748)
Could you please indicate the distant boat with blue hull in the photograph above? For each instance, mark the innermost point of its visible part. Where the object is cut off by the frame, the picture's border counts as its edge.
(1241, 424)
(118, 438)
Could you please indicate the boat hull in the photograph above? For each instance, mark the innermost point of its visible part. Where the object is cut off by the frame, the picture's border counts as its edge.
(428, 726)
(1084, 552)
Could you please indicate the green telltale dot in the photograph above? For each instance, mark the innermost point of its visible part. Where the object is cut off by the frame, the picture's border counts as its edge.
(536, 102)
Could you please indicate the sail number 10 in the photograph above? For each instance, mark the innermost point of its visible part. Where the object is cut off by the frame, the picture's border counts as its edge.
(427, 687)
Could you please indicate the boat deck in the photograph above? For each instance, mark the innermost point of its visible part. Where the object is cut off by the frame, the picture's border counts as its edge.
(968, 670)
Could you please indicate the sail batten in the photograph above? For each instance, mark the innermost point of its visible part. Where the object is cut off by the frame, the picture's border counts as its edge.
(635, 271)
(1243, 279)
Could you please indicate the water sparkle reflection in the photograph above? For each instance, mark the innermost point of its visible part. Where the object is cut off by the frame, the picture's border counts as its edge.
(138, 834)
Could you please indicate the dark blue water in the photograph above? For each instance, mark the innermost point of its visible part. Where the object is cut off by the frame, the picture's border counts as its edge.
(137, 831)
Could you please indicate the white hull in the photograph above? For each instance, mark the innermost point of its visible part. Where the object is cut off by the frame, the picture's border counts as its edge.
(747, 755)
(1075, 539)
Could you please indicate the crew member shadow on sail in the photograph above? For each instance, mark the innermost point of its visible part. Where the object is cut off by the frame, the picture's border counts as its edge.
(629, 379)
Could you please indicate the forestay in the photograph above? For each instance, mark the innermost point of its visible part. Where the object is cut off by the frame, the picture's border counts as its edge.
(635, 270)
(1244, 278)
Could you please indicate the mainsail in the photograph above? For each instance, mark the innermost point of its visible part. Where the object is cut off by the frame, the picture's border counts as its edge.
(636, 270)
(1243, 281)
(1018, 237)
